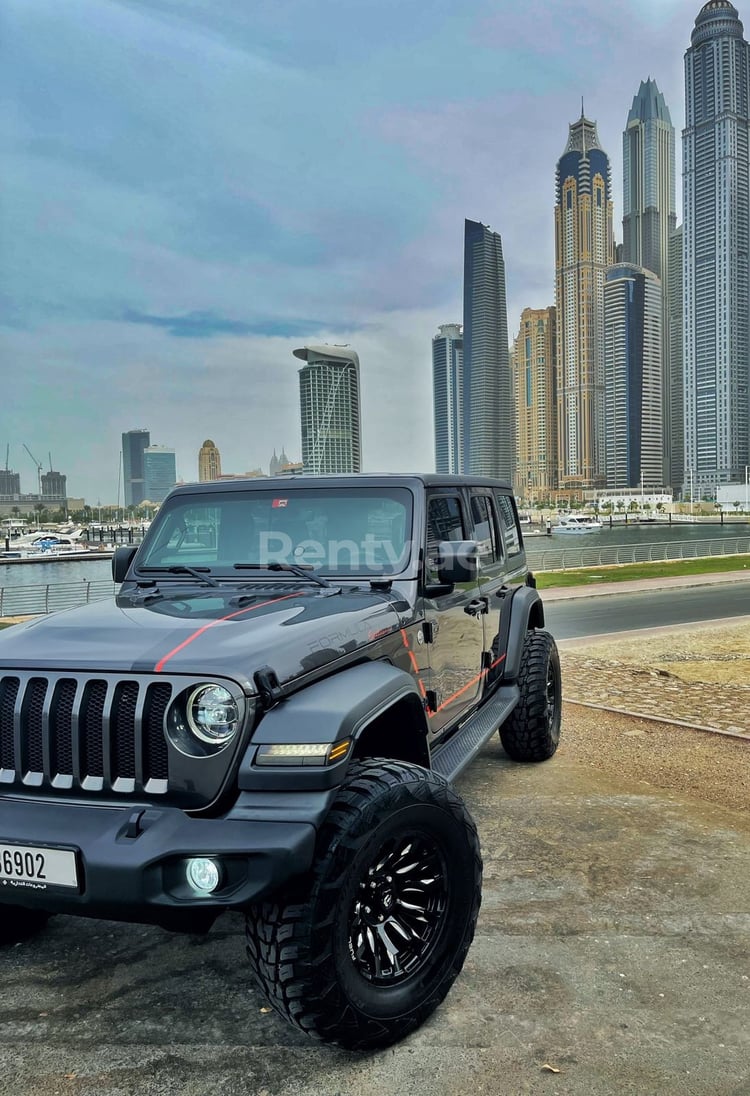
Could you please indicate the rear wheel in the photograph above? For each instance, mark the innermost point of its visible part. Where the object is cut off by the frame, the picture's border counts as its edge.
(18, 924)
(532, 733)
(378, 931)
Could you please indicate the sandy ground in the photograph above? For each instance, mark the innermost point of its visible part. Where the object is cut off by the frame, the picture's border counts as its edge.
(669, 680)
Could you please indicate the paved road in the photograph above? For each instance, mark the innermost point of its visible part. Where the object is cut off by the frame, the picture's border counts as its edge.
(570, 615)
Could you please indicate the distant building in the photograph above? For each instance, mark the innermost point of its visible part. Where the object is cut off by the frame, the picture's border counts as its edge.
(633, 376)
(584, 249)
(134, 444)
(159, 472)
(535, 382)
(209, 462)
(716, 250)
(330, 409)
(674, 439)
(488, 412)
(54, 485)
(277, 463)
(10, 483)
(447, 396)
(649, 202)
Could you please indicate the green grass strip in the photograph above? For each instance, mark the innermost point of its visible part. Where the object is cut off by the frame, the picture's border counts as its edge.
(627, 572)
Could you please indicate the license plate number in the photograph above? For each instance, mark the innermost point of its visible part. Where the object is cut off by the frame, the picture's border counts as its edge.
(29, 866)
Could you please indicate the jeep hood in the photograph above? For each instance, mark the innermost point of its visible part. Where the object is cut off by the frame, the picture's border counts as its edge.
(206, 632)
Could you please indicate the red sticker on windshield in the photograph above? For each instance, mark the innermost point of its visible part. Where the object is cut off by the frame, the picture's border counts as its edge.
(277, 504)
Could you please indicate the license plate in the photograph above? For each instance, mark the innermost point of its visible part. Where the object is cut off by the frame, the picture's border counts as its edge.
(37, 868)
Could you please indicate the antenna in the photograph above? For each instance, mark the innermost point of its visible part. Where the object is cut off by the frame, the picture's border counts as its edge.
(50, 461)
(7, 456)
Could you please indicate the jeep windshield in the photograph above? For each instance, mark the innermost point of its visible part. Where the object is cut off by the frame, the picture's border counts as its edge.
(335, 531)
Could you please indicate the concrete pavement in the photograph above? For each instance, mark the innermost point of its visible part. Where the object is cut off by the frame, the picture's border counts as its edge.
(613, 946)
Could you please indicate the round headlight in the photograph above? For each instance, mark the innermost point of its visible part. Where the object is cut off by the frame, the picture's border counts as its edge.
(212, 714)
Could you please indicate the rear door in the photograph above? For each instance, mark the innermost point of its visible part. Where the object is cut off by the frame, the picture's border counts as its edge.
(455, 620)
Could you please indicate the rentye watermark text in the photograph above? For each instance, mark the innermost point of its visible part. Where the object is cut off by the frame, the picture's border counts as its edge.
(372, 551)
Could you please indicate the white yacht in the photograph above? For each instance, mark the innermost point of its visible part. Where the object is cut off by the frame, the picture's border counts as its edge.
(577, 523)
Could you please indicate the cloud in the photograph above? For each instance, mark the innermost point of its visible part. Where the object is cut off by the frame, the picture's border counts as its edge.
(206, 325)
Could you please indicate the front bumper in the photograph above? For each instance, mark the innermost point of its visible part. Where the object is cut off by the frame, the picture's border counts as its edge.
(130, 861)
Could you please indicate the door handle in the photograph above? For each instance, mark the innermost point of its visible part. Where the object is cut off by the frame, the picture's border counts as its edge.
(478, 606)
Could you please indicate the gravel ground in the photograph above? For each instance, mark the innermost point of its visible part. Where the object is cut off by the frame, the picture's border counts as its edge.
(705, 766)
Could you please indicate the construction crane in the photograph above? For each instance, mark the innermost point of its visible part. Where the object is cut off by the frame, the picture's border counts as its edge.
(38, 469)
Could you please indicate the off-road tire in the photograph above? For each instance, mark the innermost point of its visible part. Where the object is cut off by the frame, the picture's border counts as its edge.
(18, 924)
(311, 954)
(532, 732)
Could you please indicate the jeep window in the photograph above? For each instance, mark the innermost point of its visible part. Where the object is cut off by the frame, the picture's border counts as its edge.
(484, 531)
(339, 531)
(444, 522)
(509, 523)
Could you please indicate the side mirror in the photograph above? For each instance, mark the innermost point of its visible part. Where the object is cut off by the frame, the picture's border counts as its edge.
(121, 561)
(458, 561)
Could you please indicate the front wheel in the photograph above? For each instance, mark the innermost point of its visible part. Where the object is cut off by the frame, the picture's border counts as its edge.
(532, 732)
(378, 931)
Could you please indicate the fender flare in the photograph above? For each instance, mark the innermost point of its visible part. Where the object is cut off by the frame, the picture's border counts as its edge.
(522, 610)
(338, 707)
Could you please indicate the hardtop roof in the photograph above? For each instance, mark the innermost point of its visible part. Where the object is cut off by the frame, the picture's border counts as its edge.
(362, 479)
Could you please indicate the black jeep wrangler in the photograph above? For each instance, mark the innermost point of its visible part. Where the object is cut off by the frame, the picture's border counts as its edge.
(268, 718)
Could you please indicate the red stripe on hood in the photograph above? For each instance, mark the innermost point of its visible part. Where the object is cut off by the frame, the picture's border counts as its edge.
(219, 620)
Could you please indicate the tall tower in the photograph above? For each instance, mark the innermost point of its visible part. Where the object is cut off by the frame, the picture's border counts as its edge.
(648, 156)
(330, 409)
(488, 413)
(633, 374)
(134, 443)
(209, 462)
(447, 394)
(584, 248)
(534, 376)
(675, 438)
(716, 242)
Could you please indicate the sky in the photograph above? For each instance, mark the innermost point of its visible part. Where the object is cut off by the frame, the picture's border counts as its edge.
(193, 188)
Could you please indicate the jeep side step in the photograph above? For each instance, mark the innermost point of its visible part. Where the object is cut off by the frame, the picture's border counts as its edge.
(452, 757)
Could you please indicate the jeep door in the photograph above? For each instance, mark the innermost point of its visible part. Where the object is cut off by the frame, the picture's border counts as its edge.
(454, 618)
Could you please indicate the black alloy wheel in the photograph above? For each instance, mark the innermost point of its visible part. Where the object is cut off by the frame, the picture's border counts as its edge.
(399, 909)
(370, 941)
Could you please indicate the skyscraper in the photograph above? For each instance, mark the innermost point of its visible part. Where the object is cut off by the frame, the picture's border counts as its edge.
(584, 248)
(674, 439)
(330, 409)
(648, 154)
(159, 472)
(447, 394)
(716, 243)
(534, 352)
(633, 377)
(488, 412)
(209, 462)
(134, 442)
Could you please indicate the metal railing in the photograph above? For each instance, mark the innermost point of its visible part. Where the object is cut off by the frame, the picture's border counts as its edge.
(53, 596)
(564, 559)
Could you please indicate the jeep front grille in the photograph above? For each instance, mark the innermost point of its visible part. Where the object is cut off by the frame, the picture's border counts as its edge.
(98, 733)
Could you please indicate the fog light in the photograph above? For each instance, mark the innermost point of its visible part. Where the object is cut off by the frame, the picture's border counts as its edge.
(203, 875)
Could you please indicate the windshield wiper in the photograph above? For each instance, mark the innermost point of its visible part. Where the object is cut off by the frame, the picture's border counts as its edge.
(304, 571)
(180, 569)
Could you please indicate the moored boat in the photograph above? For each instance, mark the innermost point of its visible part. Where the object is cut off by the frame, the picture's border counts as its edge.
(577, 523)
